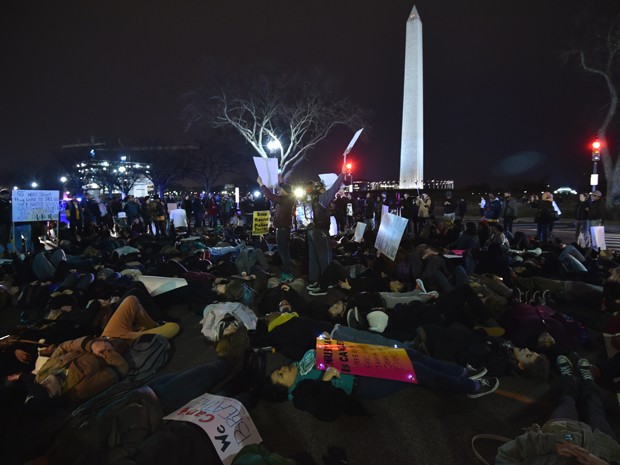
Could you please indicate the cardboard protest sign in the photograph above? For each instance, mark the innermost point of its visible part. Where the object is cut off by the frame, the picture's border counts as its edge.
(268, 170)
(29, 205)
(171, 206)
(390, 234)
(226, 421)
(260, 222)
(328, 179)
(157, 285)
(360, 228)
(365, 360)
(598, 237)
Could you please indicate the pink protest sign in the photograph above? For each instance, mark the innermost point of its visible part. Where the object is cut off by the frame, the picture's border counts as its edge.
(365, 360)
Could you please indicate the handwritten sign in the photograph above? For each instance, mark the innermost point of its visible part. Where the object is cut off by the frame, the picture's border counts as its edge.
(226, 421)
(31, 205)
(365, 360)
(390, 234)
(260, 223)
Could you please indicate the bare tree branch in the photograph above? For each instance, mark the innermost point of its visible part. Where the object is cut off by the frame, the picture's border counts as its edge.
(296, 111)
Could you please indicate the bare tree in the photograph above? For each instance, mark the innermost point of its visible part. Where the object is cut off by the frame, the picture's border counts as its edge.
(282, 116)
(167, 164)
(216, 157)
(599, 55)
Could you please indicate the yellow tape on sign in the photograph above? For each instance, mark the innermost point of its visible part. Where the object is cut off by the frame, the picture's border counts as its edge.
(260, 223)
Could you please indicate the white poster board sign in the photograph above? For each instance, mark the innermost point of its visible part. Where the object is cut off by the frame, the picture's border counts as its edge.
(598, 237)
(226, 421)
(31, 205)
(390, 233)
(354, 140)
(268, 170)
(385, 209)
(328, 179)
(333, 226)
(157, 285)
(360, 228)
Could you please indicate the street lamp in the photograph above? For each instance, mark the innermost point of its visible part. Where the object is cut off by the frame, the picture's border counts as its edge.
(63, 179)
(596, 157)
(34, 185)
(274, 144)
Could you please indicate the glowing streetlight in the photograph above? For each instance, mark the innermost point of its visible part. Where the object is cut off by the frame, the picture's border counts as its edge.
(121, 169)
(63, 179)
(273, 145)
(34, 185)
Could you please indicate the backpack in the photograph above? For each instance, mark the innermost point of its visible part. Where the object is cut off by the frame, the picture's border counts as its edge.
(146, 355)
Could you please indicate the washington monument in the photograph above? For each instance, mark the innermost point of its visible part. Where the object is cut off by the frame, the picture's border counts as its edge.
(412, 142)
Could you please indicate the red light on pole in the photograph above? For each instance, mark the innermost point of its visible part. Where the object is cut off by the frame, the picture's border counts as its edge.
(596, 150)
(349, 166)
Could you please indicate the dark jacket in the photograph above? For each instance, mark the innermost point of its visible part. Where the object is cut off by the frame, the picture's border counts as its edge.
(285, 208)
(597, 210)
(545, 213)
(320, 204)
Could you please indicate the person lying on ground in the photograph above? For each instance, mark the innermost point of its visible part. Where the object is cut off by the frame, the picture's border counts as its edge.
(477, 348)
(139, 412)
(577, 430)
(326, 393)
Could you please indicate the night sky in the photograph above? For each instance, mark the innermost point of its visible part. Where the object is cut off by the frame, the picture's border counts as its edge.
(499, 105)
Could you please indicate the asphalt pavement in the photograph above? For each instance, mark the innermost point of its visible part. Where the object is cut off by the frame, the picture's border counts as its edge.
(413, 427)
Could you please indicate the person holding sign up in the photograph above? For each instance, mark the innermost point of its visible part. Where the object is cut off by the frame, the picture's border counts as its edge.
(283, 221)
(319, 241)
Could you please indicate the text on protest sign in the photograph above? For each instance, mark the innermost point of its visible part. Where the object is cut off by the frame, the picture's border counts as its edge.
(365, 360)
(260, 223)
(390, 234)
(226, 421)
(35, 205)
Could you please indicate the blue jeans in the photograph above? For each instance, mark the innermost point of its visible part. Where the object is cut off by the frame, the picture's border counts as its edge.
(590, 405)
(176, 389)
(217, 252)
(542, 232)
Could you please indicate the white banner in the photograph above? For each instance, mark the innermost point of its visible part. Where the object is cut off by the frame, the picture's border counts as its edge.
(354, 140)
(226, 421)
(31, 205)
(157, 285)
(360, 228)
(328, 179)
(268, 170)
(598, 237)
(390, 233)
